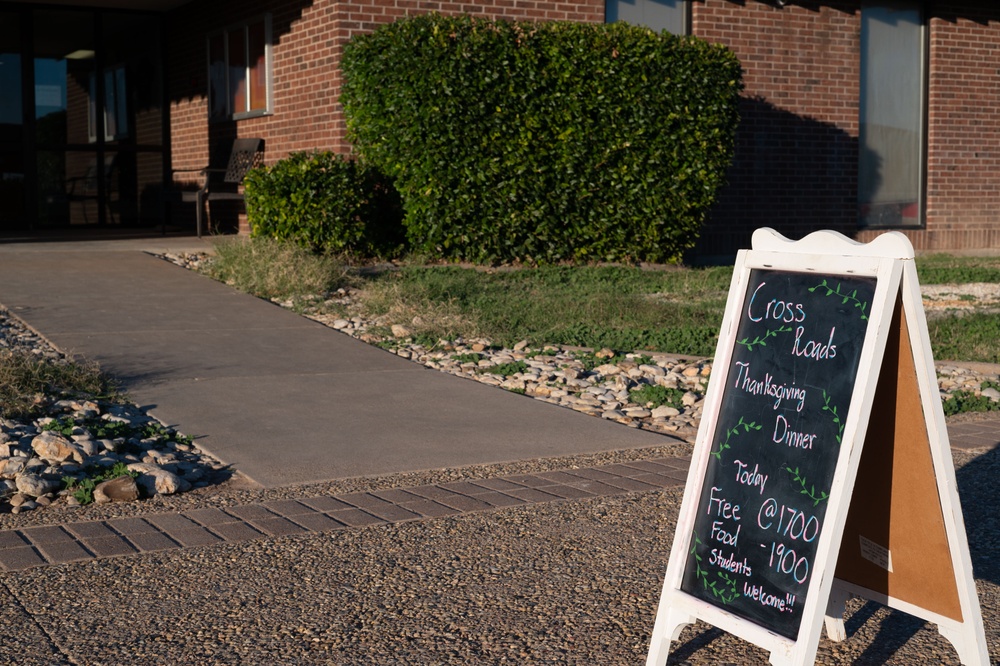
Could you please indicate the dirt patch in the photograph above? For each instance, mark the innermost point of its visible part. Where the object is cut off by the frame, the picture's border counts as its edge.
(964, 298)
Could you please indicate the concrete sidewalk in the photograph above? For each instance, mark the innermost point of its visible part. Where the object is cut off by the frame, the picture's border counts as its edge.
(283, 399)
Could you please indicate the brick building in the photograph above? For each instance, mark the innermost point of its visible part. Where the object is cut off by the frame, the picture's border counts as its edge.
(858, 115)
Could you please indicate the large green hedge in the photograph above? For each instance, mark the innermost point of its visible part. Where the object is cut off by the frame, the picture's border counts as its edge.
(544, 141)
(325, 202)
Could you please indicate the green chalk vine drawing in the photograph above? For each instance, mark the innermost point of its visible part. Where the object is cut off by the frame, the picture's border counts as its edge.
(724, 589)
(762, 341)
(836, 416)
(847, 298)
(811, 491)
(735, 430)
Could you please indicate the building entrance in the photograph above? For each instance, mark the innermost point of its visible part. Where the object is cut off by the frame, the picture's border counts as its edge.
(82, 120)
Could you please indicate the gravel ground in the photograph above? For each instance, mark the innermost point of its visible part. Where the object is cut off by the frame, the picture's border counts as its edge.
(572, 582)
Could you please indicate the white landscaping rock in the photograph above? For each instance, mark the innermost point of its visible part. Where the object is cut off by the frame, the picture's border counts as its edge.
(122, 489)
(13, 466)
(55, 448)
(35, 485)
(158, 481)
(665, 412)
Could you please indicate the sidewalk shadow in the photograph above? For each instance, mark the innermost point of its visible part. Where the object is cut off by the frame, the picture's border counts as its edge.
(977, 489)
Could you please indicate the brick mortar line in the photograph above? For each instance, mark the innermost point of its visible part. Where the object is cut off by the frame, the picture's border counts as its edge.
(42, 545)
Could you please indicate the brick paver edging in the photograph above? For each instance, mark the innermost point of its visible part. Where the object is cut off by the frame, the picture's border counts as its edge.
(79, 542)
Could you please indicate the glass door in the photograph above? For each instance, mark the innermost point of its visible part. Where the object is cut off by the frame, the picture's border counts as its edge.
(130, 99)
(81, 119)
(12, 172)
(71, 187)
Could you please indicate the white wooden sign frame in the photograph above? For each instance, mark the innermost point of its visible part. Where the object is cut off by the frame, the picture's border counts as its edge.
(889, 259)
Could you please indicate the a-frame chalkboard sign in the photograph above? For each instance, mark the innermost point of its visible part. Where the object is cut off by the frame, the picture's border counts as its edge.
(822, 467)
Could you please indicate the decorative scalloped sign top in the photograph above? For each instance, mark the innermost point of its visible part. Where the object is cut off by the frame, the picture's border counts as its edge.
(893, 244)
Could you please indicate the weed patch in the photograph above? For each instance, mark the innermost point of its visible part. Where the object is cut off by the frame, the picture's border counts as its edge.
(467, 358)
(83, 488)
(962, 401)
(584, 306)
(970, 337)
(102, 429)
(657, 396)
(25, 381)
(949, 269)
(677, 310)
(273, 269)
(506, 369)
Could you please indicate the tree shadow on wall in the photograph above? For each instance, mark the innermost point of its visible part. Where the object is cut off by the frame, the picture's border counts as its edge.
(792, 173)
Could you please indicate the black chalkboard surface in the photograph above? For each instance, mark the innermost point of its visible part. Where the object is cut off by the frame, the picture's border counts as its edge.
(775, 446)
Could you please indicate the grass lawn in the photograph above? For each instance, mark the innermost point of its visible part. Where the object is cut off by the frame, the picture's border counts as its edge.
(666, 309)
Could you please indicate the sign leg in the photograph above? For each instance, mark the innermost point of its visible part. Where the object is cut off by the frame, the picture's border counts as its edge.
(971, 652)
(834, 620)
(667, 628)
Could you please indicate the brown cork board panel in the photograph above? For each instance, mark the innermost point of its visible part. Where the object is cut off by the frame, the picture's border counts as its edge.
(895, 503)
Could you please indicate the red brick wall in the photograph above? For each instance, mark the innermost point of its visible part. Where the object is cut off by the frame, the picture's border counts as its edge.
(796, 162)
(963, 185)
(795, 167)
(796, 159)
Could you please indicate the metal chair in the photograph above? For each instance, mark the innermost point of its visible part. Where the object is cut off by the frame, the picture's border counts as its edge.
(84, 189)
(246, 154)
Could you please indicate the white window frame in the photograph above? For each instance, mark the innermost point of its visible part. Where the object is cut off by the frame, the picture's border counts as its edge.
(890, 216)
(637, 15)
(246, 112)
(115, 117)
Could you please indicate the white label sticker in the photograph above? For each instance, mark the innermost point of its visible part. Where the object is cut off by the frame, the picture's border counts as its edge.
(876, 554)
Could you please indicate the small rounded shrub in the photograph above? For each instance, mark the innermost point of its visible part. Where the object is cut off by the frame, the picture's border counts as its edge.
(326, 202)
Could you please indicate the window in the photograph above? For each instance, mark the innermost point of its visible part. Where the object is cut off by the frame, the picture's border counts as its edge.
(891, 115)
(115, 106)
(239, 71)
(669, 15)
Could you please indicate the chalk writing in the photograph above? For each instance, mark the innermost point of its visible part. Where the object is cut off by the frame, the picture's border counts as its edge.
(811, 492)
(785, 435)
(847, 298)
(783, 604)
(785, 311)
(813, 349)
(833, 412)
(768, 387)
(724, 588)
(747, 427)
(750, 477)
(787, 561)
(774, 448)
(730, 563)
